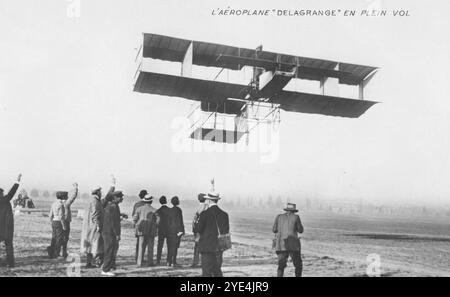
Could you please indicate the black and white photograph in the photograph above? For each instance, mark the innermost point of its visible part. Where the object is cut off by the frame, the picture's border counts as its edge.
(234, 139)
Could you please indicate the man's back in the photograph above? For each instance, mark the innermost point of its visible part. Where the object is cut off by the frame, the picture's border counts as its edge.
(211, 222)
(111, 219)
(163, 213)
(286, 225)
(145, 218)
(175, 223)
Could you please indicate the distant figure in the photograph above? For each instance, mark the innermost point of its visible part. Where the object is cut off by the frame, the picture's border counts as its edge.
(91, 239)
(163, 227)
(23, 200)
(111, 231)
(146, 222)
(213, 222)
(58, 220)
(287, 243)
(68, 212)
(201, 207)
(142, 195)
(7, 222)
(175, 232)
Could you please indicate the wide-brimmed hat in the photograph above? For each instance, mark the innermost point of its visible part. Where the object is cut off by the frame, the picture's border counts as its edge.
(147, 199)
(63, 195)
(143, 193)
(291, 207)
(213, 196)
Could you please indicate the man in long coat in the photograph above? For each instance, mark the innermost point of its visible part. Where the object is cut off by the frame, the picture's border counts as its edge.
(91, 238)
(287, 243)
(213, 221)
(7, 222)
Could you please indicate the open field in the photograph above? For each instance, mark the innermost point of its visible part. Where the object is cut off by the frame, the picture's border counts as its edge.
(332, 245)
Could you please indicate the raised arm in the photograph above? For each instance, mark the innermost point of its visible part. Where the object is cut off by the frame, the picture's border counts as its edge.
(14, 188)
(111, 189)
(73, 195)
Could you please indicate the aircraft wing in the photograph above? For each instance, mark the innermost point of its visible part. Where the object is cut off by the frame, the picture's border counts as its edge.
(320, 104)
(218, 55)
(212, 94)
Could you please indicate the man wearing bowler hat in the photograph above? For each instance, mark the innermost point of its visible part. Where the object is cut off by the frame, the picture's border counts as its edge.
(287, 242)
(213, 222)
(146, 222)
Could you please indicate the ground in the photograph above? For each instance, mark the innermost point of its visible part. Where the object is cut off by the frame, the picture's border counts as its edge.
(331, 246)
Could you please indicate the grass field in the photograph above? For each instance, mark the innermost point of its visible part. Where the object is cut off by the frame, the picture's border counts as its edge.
(332, 245)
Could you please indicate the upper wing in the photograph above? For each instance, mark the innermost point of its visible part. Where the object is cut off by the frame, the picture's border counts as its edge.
(231, 57)
(320, 104)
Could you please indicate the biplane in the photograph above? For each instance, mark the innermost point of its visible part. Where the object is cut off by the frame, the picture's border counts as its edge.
(271, 73)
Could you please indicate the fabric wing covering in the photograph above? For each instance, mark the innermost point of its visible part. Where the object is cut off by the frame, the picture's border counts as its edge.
(217, 55)
(189, 88)
(217, 94)
(320, 104)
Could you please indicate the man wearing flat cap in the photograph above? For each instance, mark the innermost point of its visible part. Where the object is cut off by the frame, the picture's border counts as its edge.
(7, 221)
(68, 212)
(286, 242)
(57, 217)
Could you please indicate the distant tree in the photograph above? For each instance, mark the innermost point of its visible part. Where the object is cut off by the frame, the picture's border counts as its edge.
(46, 194)
(308, 203)
(269, 201)
(279, 202)
(34, 193)
(261, 203)
(85, 195)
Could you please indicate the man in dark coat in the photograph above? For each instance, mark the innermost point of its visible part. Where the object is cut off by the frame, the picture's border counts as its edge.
(163, 227)
(111, 231)
(287, 243)
(211, 222)
(7, 221)
(175, 232)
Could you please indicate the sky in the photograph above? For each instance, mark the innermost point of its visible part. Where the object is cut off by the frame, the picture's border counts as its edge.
(68, 111)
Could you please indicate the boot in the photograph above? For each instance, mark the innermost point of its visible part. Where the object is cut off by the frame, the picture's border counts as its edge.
(64, 251)
(280, 272)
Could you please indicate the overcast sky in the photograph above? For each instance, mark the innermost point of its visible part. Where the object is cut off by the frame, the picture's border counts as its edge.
(68, 112)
